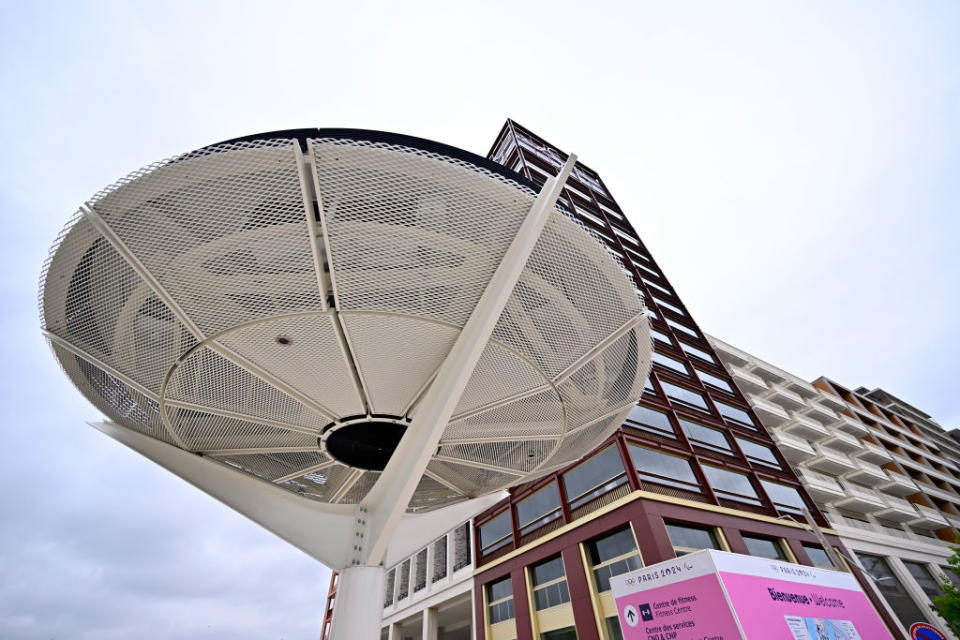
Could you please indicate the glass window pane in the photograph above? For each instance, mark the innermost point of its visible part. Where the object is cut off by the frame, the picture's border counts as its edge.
(706, 437)
(758, 453)
(713, 381)
(612, 554)
(549, 582)
(924, 578)
(611, 545)
(662, 468)
(495, 533)
(593, 473)
(659, 335)
(696, 353)
(951, 575)
(500, 589)
(684, 396)
(731, 485)
(656, 287)
(545, 502)
(735, 415)
(785, 498)
(892, 589)
(764, 548)
(614, 632)
(686, 538)
(818, 556)
(682, 328)
(656, 421)
(670, 363)
(546, 571)
(666, 305)
(567, 633)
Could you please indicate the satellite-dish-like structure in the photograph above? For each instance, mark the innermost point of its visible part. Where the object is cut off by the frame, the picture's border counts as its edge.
(331, 327)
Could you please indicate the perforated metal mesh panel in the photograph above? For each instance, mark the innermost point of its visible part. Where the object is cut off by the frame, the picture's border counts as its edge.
(245, 299)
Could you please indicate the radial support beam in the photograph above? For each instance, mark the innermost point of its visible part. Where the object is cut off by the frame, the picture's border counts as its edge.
(384, 506)
(322, 531)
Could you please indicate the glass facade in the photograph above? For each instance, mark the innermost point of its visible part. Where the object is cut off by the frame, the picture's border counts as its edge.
(538, 509)
(652, 420)
(500, 600)
(706, 437)
(818, 556)
(593, 478)
(663, 468)
(764, 547)
(892, 589)
(730, 485)
(684, 396)
(787, 499)
(549, 584)
(737, 416)
(927, 581)
(688, 538)
(612, 554)
(680, 438)
(495, 533)
(758, 453)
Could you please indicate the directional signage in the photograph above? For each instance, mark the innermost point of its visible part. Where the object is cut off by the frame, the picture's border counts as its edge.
(924, 631)
(726, 596)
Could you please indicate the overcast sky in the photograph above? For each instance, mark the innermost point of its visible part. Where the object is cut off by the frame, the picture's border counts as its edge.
(792, 166)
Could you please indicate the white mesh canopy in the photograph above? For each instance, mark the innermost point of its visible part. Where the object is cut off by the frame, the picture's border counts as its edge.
(250, 299)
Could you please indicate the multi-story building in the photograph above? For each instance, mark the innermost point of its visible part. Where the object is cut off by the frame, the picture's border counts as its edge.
(693, 467)
(883, 473)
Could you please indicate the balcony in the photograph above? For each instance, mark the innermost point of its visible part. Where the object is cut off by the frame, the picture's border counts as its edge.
(748, 382)
(829, 400)
(768, 372)
(794, 449)
(866, 473)
(770, 413)
(804, 427)
(830, 461)
(821, 487)
(873, 453)
(785, 398)
(860, 499)
(842, 442)
(802, 388)
(939, 493)
(952, 519)
(729, 354)
(898, 510)
(898, 484)
(820, 413)
(928, 518)
(851, 425)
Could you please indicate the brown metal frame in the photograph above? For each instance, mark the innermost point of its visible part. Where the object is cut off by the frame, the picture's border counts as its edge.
(536, 158)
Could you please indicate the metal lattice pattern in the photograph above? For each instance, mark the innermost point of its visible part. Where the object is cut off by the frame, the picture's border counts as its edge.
(243, 299)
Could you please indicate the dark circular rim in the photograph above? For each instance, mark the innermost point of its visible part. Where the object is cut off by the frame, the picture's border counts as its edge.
(386, 137)
(365, 445)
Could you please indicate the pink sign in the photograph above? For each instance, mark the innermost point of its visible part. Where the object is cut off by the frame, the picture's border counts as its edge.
(713, 595)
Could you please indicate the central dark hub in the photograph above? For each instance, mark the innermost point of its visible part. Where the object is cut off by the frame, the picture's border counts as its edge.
(366, 445)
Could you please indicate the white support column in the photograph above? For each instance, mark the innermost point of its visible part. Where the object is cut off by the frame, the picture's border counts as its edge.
(430, 623)
(388, 500)
(429, 568)
(449, 540)
(395, 632)
(357, 612)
